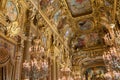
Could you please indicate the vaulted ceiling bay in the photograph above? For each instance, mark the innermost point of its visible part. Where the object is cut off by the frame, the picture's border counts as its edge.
(59, 39)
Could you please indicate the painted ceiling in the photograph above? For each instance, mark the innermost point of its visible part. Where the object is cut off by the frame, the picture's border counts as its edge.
(80, 22)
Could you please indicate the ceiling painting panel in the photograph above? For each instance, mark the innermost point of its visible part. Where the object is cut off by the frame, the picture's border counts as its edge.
(12, 11)
(79, 7)
(87, 40)
(85, 25)
(49, 7)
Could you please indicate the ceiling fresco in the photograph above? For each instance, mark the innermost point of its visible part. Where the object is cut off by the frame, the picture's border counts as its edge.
(80, 22)
(87, 41)
(50, 7)
(79, 7)
(12, 11)
(85, 25)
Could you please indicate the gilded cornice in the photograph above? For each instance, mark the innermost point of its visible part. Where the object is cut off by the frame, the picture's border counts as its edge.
(83, 56)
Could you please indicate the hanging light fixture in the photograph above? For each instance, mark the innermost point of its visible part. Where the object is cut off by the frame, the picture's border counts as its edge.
(112, 63)
(37, 67)
(65, 70)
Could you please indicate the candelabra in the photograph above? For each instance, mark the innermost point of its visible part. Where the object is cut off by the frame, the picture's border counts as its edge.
(37, 67)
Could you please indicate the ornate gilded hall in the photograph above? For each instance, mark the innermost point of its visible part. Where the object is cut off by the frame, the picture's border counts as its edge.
(59, 39)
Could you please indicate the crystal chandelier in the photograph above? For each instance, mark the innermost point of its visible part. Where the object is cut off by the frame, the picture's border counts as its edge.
(65, 71)
(37, 67)
(112, 63)
(111, 56)
(112, 59)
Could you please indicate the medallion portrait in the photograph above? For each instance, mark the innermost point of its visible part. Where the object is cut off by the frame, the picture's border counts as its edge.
(85, 25)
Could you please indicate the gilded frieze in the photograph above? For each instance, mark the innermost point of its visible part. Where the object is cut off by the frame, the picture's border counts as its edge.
(83, 56)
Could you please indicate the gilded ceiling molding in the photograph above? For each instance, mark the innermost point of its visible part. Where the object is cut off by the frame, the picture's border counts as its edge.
(90, 55)
(100, 8)
(49, 23)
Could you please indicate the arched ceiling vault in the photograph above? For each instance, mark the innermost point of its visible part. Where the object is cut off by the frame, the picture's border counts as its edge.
(80, 24)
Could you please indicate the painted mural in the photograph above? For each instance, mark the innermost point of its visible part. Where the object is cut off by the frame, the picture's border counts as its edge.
(95, 73)
(88, 40)
(12, 12)
(85, 25)
(68, 33)
(44, 41)
(59, 19)
(57, 16)
(79, 7)
(44, 4)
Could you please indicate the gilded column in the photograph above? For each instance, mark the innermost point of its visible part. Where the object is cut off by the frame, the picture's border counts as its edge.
(53, 67)
(49, 72)
(27, 43)
(57, 71)
(19, 62)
